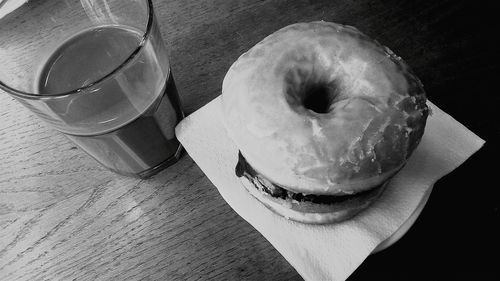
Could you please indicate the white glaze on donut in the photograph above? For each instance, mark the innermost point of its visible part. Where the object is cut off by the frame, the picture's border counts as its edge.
(368, 117)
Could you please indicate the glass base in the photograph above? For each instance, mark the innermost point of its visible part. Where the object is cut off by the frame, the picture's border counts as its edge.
(154, 170)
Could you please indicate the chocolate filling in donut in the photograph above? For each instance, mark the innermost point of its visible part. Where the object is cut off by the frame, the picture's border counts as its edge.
(243, 169)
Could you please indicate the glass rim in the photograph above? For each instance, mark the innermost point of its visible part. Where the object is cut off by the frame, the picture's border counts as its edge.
(133, 54)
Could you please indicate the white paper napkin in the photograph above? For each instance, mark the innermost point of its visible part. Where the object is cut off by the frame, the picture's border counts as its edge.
(7, 6)
(329, 252)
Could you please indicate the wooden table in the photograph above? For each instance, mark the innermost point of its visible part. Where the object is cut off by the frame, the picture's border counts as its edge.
(64, 217)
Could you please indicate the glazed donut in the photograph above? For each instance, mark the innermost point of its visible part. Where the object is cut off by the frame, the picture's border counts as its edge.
(323, 117)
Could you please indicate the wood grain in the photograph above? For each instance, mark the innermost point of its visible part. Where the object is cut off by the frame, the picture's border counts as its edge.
(64, 217)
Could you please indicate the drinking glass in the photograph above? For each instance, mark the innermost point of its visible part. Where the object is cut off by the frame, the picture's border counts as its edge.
(97, 71)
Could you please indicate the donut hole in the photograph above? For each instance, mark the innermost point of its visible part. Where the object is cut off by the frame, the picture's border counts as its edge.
(307, 89)
(319, 97)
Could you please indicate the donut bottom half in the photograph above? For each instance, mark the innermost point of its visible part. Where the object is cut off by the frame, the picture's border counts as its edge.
(313, 212)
